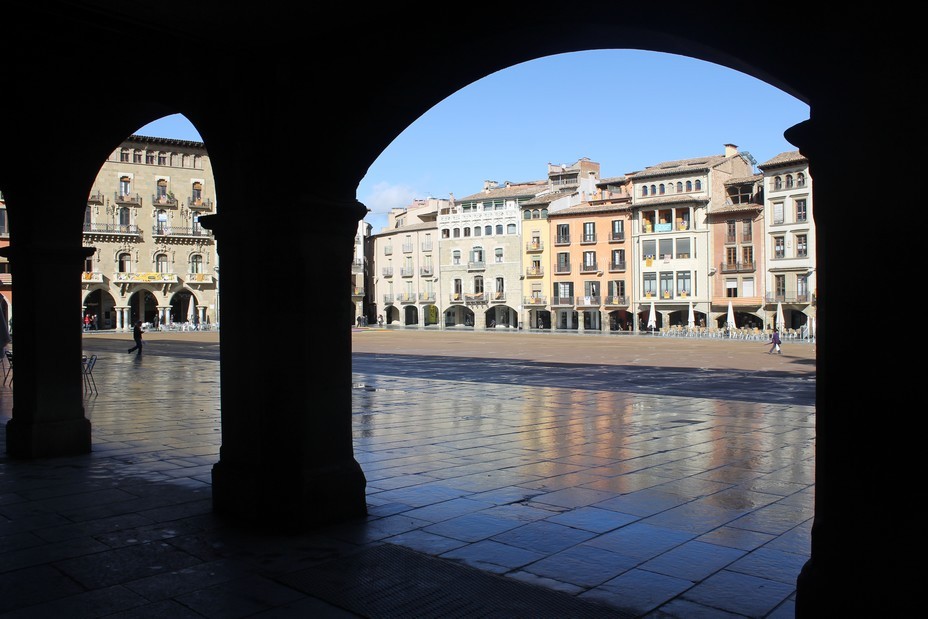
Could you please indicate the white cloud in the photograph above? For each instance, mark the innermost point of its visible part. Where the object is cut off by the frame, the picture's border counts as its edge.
(384, 196)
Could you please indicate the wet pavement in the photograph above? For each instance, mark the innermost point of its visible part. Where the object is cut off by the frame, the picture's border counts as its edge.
(508, 475)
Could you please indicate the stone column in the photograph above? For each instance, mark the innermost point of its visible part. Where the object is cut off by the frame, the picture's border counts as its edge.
(287, 458)
(48, 413)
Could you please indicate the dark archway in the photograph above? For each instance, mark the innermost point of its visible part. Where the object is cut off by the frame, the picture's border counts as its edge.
(276, 476)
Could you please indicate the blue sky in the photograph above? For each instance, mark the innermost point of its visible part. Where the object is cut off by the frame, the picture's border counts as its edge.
(624, 109)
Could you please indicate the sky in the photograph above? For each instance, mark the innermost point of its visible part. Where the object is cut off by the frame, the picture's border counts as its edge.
(624, 109)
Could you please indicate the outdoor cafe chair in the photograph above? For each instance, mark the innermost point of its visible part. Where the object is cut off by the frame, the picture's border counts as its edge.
(8, 369)
(87, 369)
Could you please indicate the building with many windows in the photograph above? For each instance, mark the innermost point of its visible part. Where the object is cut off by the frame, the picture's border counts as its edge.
(403, 270)
(789, 240)
(153, 261)
(671, 202)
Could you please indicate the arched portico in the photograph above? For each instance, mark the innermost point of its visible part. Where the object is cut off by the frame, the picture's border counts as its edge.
(281, 465)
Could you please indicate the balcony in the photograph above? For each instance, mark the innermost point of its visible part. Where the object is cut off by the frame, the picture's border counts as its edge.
(198, 278)
(406, 297)
(200, 204)
(407, 271)
(617, 237)
(357, 266)
(535, 246)
(788, 297)
(456, 297)
(588, 301)
(407, 248)
(562, 269)
(92, 277)
(357, 291)
(535, 271)
(477, 265)
(737, 267)
(387, 272)
(617, 267)
(426, 271)
(426, 297)
(112, 230)
(534, 300)
(129, 199)
(562, 240)
(388, 299)
(96, 198)
(615, 301)
(181, 231)
(167, 201)
(562, 301)
(145, 278)
(426, 245)
(588, 239)
(497, 297)
(589, 267)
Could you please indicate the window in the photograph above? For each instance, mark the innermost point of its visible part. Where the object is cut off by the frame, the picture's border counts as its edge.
(589, 260)
(644, 191)
(746, 230)
(458, 288)
(649, 285)
(777, 183)
(747, 287)
(161, 189)
(683, 248)
(617, 288)
(526, 214)
(500, 285)
(731, 288)
(150, 158)
(137, 156)
(510, 229)
(476, 230)
(802, 287)
(689, 185)
(589, 232)
(466, 232)
(618, 229)
(648, 249)
(563, 262)
(779, 247)
(698, 185)
(196, 263)
(800, 180)
(660, 189)
(499, 229)
(684, 283)
(125, 263)
(679, 187)
(124, 155)
(88, 264)
(499, 255)
(445, 233)
(87, 219)
(618, 258)
(779, 286)
(801, 214)
(456, 256)
(731, 256)
(653, 190)
(476, 255)
(456, 233)
(591, 288)
(125, 185)
(666, 283)
(789, 181)
(162, 159)
(197, 193)
(730, 231)
(478, 284)
(488, 230)
(802, 247)
(161, 225)
(747, 255)
(563, 233)
(124, 216)
(665, 249)
(564, 290)
(777, 212)
(161, 263)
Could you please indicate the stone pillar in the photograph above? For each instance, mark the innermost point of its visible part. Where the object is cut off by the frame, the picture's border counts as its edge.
(48, 413)
(858, 449)
(287, 458)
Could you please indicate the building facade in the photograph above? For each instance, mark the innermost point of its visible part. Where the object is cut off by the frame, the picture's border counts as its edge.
(789, 242)
(153, 261)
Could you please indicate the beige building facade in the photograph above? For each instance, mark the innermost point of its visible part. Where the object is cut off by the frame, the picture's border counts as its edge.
(152, 259)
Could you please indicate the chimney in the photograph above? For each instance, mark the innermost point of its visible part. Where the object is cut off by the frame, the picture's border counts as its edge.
(488, 185)
(731, 150)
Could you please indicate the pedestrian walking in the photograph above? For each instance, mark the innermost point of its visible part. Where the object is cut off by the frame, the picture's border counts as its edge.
(137, 336)
(775, 342)
(380, 320)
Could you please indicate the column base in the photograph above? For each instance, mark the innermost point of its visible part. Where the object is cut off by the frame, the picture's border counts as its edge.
(290, 502)
(47, 439)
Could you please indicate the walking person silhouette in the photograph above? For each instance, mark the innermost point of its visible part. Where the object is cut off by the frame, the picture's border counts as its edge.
(137, 336)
